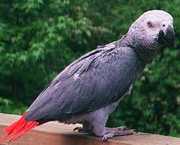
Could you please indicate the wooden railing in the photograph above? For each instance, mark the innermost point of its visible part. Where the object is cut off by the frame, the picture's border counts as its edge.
(54, 133)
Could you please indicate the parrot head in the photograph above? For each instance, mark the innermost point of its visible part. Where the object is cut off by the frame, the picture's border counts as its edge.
(152, 32)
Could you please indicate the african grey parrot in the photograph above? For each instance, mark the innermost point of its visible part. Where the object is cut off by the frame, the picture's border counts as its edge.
(90, 88)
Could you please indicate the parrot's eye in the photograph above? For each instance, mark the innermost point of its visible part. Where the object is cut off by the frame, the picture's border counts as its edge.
(150, 24)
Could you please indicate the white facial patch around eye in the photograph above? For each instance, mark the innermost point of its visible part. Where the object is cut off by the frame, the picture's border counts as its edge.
(150, 24)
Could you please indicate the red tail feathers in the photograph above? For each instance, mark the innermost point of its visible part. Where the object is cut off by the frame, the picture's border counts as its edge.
(17, 129)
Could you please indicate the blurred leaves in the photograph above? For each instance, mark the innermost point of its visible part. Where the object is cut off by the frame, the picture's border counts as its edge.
(8, 106)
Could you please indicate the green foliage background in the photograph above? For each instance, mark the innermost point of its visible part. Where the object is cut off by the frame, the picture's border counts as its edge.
(39, 38)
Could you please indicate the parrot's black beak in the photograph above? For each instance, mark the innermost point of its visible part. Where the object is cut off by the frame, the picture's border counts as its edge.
(167, 38)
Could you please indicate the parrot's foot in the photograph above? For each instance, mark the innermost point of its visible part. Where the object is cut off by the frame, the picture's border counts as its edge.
(119, 131)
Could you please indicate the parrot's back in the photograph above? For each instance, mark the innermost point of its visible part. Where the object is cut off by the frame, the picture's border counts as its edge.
(94, 81)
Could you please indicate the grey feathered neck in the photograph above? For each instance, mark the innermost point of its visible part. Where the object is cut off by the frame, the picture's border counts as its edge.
(144, 53)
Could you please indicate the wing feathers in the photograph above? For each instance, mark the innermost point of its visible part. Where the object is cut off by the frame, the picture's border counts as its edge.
(102, 77)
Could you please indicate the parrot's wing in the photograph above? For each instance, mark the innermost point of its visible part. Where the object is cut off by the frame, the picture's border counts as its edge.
(91, 82)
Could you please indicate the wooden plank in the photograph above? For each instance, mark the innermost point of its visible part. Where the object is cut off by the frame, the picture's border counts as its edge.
(54, 133)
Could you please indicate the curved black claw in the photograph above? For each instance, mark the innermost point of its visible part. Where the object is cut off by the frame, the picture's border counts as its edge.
(82, 130)
(78, 129)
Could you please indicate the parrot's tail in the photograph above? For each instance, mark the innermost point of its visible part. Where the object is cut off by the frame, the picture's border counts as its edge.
(17, 129)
